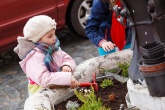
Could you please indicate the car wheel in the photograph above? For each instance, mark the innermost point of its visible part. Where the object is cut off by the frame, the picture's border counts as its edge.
(79, 13)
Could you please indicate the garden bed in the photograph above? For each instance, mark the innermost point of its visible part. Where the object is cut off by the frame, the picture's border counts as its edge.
(119, 89)
(108, 62)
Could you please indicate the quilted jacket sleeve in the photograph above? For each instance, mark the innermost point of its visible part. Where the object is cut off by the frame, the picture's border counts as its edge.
(98, 21)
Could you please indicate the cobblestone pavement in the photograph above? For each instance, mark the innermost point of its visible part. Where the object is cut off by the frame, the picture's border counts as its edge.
(13, 82)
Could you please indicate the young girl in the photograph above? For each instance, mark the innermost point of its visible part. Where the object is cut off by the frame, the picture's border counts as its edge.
(44, 63)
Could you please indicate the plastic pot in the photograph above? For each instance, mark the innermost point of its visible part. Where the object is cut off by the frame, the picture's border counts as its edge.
(154, 76)
(155, 83)
(157, 53)
(153, 50)
(151, 68)
(152, 61)
(152, 47)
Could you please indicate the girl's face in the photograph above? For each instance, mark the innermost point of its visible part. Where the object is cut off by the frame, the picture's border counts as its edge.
(49, 38)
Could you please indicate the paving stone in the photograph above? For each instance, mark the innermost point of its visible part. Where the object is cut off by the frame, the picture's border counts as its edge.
(24, 95)
(12, 92)
(21, 106)
(22, 86)
(2, 86)
(22, 79)
(1, 80)
(87, 56)
(11, 72)
(4, 101)
(78, 60)
(14, 83)
(14, 102)
(1, 92)
(3, 75)
(8, 80)
(20, 72)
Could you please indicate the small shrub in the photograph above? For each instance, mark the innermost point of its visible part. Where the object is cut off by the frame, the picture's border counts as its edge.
(114, 70)
(90, 101)
(106, 82)
(124, 67)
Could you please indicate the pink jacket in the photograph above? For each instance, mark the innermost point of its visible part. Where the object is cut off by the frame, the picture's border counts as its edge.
(36, 71)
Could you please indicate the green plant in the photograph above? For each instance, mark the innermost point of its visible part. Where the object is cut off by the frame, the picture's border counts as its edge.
(124, 67)
(72, 105)
(102, 70)
(106, 82)
(114, 70)
(90, 101)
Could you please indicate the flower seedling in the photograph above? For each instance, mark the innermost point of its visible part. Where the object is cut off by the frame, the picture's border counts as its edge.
(72, 105)
(106, 82)
(90, 101)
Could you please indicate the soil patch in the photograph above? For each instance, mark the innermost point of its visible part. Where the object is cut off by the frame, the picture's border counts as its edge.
(119, 89)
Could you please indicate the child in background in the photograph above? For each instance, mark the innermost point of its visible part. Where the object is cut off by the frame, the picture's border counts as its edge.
(43, 62)
(104, 30)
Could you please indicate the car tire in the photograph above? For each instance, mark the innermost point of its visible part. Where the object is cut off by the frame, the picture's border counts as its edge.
(78, 15)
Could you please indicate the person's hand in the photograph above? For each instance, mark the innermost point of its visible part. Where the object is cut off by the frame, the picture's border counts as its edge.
(74, 83)
(108, 46)
(66, 69)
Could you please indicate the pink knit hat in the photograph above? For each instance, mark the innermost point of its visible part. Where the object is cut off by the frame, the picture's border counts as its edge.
(38, 26)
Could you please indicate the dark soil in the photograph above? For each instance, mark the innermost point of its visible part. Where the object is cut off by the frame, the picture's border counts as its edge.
(118, 89)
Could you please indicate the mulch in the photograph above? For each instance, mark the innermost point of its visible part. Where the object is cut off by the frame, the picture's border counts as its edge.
(118, 90)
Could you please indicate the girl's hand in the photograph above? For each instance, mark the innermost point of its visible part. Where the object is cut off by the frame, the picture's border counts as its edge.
(108, 46)
(66, 69)
(74, 83)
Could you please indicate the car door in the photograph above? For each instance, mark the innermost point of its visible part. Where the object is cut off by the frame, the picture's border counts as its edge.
(15, 13)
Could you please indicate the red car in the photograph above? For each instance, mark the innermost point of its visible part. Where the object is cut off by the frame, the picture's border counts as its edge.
(15, 13)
